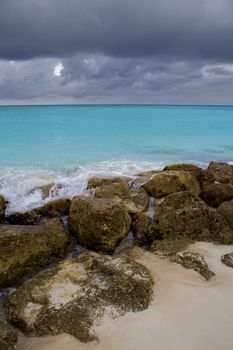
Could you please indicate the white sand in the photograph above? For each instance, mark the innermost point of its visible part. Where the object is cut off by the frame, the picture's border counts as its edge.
(187, 312)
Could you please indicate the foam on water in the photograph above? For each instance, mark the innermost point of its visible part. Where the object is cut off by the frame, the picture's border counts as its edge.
(16, 184)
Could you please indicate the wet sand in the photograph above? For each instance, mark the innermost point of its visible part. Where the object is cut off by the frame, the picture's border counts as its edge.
(187, 312)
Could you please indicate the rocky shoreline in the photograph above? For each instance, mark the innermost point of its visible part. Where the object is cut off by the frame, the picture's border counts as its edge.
(61, 287)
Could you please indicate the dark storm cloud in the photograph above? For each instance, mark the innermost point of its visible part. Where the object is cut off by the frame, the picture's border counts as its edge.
(126, 28)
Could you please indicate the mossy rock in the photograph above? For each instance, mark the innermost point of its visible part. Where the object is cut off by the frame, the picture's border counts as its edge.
(221, 172)
(195, 261)
(48, 190)
(140, 226)
(73, 296)
(215, 194)
(55, 208)
(226, 210)
(134, 200)
(8, 337)
(98, 223)
(167, 182)
(227, 259)
(26, 218)
(95, 182)
(24, 249)
(182, 214)
(169, 247)
(3, 205)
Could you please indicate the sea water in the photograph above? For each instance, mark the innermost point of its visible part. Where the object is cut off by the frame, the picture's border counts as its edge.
(69, 144)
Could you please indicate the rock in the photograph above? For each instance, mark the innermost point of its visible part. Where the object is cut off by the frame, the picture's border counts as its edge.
(182, 214)
(227, 259)
(99, 223)
(26, 218)
(191, 260)
(56, 208)
(222, 172)
(226, 210)
(140, 226)
(48, 190)
(73, 296)
(215, 194)
(8, 337)
(168, 182)
(132, 252)
(169, 246)
(95, 182)
(202, 176)
(134, 200)
(24, 249)
(3, 205)
(143, 177)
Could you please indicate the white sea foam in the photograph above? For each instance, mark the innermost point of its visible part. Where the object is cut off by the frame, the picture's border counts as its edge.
(16, 184)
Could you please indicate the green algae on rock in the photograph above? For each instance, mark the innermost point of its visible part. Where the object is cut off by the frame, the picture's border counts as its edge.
(227, 259)
(215, 194)
(3, 205)
(221, 172)
(73, 296)
(24, 249)
(167, 182)
(98, 223)
(8, 337)
(55, 208)
(95, 182)
(182, 214)
(195, 261)
(134, 200)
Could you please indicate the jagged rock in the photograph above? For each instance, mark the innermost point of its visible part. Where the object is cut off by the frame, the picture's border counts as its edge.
(3, 205)
(226, 210)
(227, 259)
(24, 249)
(99, 223)
(55, 208)
(73, 296)
(167, 182)
(202, 176)
(48, 190)
(26, 218)
(134, 200)
(95, 182)
(222, 172)
(169, 247)
(182, 214)
(8, 337)
(215, 194)
(195, 261)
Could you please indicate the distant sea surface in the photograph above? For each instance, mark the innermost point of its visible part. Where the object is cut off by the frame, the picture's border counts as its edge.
(40, 144)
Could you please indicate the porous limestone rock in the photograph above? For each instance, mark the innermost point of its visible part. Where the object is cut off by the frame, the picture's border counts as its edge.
(95, 182)
(55, 208)
(215, 194)
(8, 337)
(222, 172)
(226, 210)
(73, 296)
(24, 218)
(227, 259)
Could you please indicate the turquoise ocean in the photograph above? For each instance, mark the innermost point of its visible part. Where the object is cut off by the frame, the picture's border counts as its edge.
(68, 144)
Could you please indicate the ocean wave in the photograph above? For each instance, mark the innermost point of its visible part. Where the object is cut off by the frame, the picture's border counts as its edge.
(16, 184)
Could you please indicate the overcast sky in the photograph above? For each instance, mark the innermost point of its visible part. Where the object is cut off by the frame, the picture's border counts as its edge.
(116, 51)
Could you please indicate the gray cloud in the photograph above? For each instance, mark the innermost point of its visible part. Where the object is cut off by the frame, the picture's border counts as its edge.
(181, 28)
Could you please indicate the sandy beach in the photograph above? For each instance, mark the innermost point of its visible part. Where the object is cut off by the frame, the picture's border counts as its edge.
(186, 313)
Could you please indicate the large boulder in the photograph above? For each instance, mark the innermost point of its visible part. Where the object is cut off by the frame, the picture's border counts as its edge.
(55, 208)
(167, 182)
(3, 205)
(182, 214)
(24, 249)
(48, 190)
(222, 172)
(99, 223)
(8, 337)
(215, 194)
(73, 296)
(134, 200)
(226, 210)
(202, 176)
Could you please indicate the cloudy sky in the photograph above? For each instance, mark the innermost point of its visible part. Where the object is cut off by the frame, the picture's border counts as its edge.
(116, 51)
